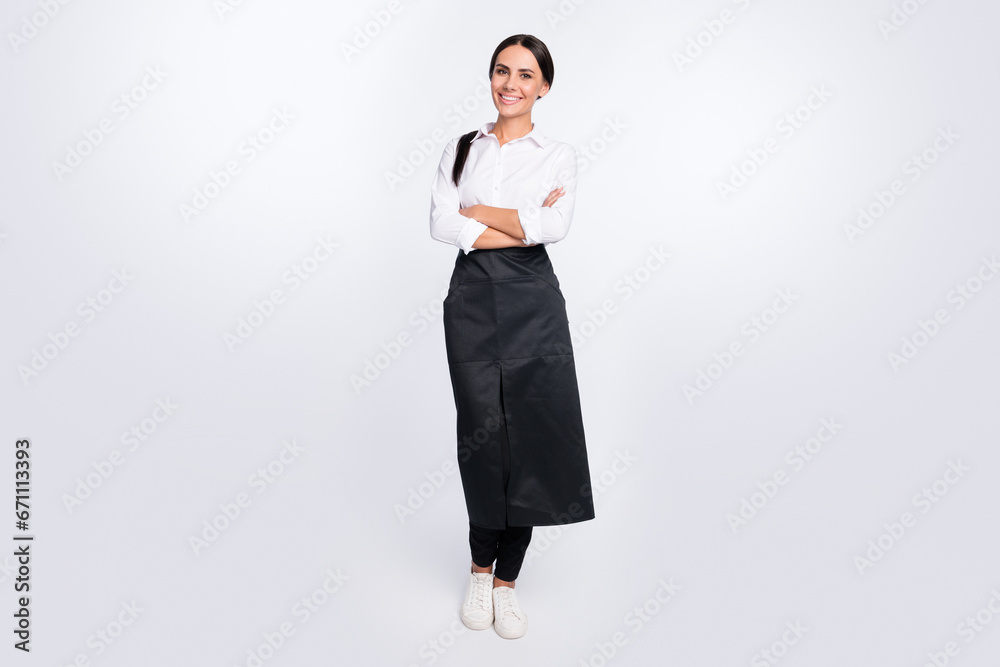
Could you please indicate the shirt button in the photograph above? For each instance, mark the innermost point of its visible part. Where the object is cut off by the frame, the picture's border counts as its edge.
(497, 364)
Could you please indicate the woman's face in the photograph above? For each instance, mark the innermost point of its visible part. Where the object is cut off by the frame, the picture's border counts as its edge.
(516, 81)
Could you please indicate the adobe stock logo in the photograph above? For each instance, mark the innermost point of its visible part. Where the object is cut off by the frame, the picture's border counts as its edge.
(714, 28)
(366, 34)
(884, 198)
(630, 283)
(31, 25)
(969, 629)
(229, 511)
(121, 108)
(250, 148)
(796, 457)
(901, 14)
(59, 340)
(104, 468)
(924, 500)
(264, 308)
(637, 618)
(926, 330)
(105, 636)
(787, 126)
(753, 328)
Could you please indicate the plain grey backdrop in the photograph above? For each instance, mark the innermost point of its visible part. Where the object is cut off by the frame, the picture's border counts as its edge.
(222, 334)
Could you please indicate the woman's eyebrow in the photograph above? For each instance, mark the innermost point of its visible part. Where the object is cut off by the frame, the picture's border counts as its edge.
(523, 69)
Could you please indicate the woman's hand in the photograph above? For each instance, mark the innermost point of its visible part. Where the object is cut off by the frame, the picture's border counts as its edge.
(553, 196)
(474, 210)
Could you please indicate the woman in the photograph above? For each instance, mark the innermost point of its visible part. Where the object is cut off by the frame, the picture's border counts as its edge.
(521, 449)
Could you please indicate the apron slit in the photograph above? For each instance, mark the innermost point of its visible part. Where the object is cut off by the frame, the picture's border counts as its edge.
(504, 447)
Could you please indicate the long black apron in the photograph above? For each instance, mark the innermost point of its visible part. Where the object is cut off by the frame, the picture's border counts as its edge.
(512, 367)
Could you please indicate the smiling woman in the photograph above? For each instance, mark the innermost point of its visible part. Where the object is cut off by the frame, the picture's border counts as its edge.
(501, 193)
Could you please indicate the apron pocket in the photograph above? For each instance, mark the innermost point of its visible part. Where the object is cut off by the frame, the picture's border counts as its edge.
(550, 286)
(452, 292)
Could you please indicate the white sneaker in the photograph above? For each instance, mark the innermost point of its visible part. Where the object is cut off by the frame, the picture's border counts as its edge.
(510, 622)
(477, 612)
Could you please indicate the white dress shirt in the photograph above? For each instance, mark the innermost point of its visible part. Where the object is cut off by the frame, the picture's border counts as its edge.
(519, 175)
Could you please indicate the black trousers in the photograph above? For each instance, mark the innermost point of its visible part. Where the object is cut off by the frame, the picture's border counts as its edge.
(507, 546)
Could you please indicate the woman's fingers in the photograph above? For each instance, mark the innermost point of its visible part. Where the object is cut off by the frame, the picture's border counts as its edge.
(553, 196)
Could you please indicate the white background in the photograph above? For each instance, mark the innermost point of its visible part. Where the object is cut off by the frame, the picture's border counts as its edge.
(656, 137)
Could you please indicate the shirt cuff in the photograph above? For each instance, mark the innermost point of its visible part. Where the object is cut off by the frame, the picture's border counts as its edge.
(469, 233)
(530, 224)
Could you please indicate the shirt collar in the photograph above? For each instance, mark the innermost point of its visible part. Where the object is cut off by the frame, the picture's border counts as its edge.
(535, 134)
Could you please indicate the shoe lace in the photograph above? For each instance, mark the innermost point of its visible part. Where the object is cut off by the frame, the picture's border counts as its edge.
(507, 603)
(482, 593)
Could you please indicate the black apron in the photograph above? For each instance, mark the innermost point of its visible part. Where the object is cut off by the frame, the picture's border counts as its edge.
(512, 367)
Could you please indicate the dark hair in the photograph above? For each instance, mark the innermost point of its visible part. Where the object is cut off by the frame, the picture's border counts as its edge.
(544, 59)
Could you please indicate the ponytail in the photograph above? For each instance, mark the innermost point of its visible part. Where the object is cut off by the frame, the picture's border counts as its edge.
(461, 153)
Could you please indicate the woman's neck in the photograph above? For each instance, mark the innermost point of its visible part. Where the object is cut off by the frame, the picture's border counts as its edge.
(509, 130)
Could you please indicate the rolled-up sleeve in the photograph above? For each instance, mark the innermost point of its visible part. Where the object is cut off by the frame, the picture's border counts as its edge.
(548, 224)
(447, 224)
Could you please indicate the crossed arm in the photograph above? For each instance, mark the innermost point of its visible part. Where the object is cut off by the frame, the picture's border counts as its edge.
(503, 227)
